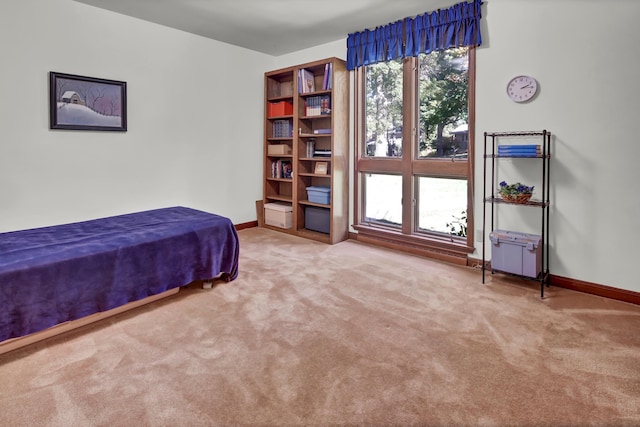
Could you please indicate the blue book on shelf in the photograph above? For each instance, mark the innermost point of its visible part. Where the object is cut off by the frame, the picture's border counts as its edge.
(518, 150)
(519, 146)
(518, 155)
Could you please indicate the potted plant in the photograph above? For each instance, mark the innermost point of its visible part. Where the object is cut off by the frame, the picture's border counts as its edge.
(515, 193)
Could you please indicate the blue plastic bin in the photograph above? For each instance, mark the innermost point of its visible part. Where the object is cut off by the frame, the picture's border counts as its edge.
(319, 194)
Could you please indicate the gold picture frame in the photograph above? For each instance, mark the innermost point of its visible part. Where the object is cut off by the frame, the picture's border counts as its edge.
(321, 168)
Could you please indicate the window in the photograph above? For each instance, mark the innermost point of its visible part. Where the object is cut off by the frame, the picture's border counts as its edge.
(414, 139)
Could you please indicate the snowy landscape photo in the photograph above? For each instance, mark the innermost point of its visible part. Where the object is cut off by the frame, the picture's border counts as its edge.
(86, 103)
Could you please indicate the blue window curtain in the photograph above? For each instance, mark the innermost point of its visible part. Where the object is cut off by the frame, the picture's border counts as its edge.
(456, 26)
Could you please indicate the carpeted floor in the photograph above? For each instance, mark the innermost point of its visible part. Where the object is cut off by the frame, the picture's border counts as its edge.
(349, 334)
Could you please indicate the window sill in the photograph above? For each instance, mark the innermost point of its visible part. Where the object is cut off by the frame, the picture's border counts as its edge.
(431, 247)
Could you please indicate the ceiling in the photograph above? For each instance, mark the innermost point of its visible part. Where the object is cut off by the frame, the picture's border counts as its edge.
(274, 27)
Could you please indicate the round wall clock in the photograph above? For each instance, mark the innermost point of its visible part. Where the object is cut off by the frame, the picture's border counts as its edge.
(522, 88)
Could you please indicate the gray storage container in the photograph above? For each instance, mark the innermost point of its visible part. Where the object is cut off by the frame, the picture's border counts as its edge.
(317, 219)
(517, 253)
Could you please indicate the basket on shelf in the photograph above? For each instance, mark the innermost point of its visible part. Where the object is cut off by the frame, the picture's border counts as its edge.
(521, 198)
(515, 193)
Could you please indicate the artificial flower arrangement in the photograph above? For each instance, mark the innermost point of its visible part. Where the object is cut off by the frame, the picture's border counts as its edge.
(515, 193)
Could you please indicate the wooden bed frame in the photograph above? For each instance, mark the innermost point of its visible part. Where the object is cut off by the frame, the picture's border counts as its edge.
(16, 343)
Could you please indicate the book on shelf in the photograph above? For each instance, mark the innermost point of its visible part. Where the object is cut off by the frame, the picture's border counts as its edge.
(312, 106)
(287, 169)
(311, 146)
(322, 131)
(519, 155)
(326, 81)
(317, 105)
(306, 81)
(516, 150)
(327, 76)
(281, 169)
(325, 104)
(519, 146)
(519, 150)
(319, 152)
(282, 129)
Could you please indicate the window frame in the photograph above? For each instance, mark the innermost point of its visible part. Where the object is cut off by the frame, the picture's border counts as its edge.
(410, 238)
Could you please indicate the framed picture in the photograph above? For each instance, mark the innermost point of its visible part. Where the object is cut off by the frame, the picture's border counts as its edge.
(87, 103)
(321, 168)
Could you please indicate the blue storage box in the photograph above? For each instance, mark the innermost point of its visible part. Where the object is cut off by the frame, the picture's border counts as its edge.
(317, 219)
(517, 253)
(319, 194)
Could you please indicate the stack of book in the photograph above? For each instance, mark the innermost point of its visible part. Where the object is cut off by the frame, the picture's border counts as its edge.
(318, 105)
(282, 129)
(519, 150)
(281, 169)
(320, 152)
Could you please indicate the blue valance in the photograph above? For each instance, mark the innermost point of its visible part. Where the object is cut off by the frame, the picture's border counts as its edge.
(456, 26)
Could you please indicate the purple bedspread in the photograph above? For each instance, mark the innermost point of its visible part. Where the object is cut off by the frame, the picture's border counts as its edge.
(55, 274)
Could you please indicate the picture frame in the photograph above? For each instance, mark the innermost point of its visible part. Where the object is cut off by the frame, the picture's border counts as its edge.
(87, 103)
(321, 168)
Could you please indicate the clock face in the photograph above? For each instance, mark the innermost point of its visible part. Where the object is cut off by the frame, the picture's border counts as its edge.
(522, 88)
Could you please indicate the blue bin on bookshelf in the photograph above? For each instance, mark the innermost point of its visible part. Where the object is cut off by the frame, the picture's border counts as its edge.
(319, 194)
(317, 219)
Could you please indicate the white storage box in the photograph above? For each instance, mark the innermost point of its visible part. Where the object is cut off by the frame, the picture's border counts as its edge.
(517, 253)
(278, 215)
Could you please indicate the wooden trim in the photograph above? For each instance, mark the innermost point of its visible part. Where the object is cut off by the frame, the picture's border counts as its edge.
(244, 225)
(413, 249)
(596, 289)
(579, 285)
(471, 148)
(422, 247)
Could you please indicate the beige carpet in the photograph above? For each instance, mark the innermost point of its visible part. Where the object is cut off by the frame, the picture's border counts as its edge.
(311, 334)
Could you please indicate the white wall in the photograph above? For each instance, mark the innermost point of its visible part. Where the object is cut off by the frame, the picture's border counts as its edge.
(194, 118)
(584, 56)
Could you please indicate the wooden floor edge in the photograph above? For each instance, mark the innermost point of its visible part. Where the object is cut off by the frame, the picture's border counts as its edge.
(16, 343)
(596, 289)
(580, 286)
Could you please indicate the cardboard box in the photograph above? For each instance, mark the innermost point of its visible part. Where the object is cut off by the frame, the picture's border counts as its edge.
(278, 215)
(282, 108)
(317, 219)
(319, 194)
(517, 253)
(278, 149)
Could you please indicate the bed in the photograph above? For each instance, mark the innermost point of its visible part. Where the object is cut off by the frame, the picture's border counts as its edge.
(69, 272)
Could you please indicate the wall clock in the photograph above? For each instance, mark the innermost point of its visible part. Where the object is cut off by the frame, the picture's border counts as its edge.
(522, 88)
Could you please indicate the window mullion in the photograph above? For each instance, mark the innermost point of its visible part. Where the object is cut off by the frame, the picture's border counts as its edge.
(409, 135)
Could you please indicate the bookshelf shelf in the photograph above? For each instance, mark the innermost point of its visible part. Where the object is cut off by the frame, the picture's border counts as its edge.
(319, 93)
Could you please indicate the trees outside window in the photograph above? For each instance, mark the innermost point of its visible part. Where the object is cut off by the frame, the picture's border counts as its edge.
(414, 140)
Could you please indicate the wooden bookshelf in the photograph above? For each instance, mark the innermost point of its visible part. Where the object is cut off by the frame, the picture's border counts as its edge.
(315, 103)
